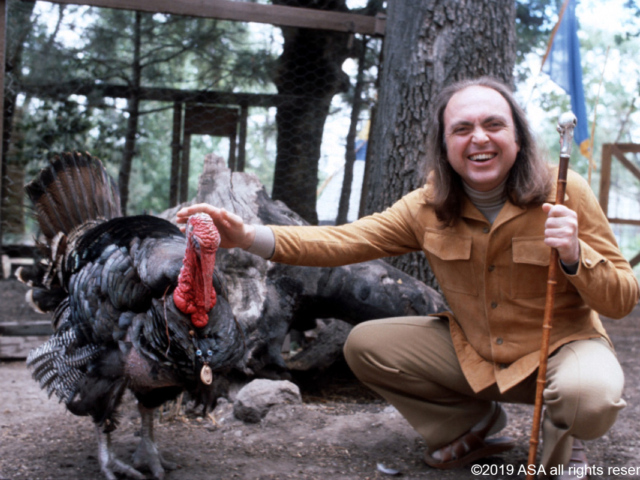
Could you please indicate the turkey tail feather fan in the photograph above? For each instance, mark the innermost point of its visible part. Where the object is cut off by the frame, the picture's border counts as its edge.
(61, 198)
(69, 196)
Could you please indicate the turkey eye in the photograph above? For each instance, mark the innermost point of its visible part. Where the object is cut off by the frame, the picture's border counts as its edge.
(209, 352)
(199, 353)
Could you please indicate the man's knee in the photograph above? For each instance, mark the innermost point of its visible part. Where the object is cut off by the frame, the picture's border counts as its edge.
(357, 348)
(379, 351)
(586, 402)
(365, 351)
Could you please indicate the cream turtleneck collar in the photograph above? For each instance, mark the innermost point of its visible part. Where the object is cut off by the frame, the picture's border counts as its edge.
(489, 203)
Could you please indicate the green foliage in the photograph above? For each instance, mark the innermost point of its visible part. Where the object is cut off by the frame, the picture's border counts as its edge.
(176, 51)
(629, 28)
(261, 145)
(48, 127)
(46, 58)
(534, 21)
(65, 43)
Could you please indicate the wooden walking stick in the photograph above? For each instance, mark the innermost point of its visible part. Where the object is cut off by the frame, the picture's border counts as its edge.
(566, 124)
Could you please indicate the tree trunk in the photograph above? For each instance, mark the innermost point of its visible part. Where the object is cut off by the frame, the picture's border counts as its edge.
(350, 155)
(429, 45)
(310, 67)
(133, 108)
(16, 33)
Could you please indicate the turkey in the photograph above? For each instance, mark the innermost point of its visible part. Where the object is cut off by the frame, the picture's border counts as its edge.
(135, 305)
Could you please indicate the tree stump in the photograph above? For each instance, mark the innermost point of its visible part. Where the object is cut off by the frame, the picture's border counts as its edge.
(270, 299)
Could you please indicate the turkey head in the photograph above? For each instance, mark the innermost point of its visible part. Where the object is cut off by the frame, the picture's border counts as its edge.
(195, 294)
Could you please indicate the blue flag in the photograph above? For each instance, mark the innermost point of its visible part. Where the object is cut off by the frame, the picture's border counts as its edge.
(564, 68)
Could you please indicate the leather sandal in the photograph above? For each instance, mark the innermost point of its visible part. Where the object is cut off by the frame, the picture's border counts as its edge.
(471, 446)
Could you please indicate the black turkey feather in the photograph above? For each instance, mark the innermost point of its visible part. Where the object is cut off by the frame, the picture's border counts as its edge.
(134, 305)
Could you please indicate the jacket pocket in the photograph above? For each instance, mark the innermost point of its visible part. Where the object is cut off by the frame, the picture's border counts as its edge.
(530, 268)
(450, 259)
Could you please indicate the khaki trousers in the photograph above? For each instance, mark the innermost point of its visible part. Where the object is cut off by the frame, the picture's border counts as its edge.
(411, 362)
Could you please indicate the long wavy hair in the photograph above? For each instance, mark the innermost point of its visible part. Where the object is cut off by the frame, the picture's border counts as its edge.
(529, 181)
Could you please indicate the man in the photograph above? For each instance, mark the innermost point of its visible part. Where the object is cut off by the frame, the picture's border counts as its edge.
(486, 223)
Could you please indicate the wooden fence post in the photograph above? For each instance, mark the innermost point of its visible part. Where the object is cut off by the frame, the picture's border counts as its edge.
(3, 47)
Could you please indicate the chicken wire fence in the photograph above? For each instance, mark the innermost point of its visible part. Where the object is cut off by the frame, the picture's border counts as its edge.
(623, 204)
(152, 94)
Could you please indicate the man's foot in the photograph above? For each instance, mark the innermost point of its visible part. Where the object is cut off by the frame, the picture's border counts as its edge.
(473, 445)
(578, 466)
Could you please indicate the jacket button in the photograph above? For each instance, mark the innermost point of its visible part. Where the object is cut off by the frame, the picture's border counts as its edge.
(588, 262)
(492, 268)
(494, 305)
(485, 230)
(499, 341)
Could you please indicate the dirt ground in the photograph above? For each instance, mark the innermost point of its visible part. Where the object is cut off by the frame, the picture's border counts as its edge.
(340, 431)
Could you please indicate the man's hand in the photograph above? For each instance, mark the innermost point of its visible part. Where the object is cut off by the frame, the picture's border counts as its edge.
(561, 232)
(233, 231)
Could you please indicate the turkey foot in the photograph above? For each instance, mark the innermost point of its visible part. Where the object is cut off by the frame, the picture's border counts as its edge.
(147, 454)
(109, 464)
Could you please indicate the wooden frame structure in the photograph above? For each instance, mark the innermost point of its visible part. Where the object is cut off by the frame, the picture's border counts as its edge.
(278, 15)
(250, 12)
(203, 120)
(617, 150)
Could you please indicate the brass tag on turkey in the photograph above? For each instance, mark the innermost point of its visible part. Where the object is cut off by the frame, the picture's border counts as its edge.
(205, 375)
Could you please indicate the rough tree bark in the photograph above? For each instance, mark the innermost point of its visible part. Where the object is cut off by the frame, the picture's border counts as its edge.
(269, 299)
(428, 45)
(133, 108)
(310, 68)
(16, 34)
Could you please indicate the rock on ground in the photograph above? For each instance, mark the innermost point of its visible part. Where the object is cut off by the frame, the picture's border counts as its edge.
(256, 399)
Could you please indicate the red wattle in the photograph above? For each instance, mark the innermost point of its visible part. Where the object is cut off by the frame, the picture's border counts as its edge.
(199, 319)
(178, 299)
(195, 294)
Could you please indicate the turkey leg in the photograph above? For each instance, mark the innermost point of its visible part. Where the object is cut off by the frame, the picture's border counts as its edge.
(147, 453)
(109, 464)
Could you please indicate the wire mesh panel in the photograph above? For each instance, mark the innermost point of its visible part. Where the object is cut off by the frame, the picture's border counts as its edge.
(151, 94)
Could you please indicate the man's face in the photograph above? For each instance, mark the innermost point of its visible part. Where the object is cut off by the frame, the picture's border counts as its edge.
(480, 137)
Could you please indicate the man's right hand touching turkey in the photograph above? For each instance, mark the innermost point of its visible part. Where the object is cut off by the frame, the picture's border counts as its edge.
(233, 231)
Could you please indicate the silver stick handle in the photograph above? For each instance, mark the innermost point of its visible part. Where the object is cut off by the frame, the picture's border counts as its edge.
(566, 124)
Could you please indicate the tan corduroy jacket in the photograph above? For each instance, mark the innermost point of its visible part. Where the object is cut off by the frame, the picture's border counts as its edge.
(493, 276)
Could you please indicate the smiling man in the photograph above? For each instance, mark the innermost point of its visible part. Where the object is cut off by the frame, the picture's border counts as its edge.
(480, 137)
(485, 221)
